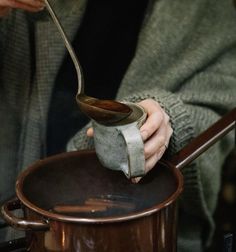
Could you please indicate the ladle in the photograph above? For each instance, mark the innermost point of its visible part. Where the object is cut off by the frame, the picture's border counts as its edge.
(104, 111)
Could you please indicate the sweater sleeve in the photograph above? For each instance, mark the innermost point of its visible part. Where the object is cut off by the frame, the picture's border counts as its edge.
(198, 102)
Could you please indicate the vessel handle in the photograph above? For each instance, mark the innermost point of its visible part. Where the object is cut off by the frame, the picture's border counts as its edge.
(17, 222)
(205, 140)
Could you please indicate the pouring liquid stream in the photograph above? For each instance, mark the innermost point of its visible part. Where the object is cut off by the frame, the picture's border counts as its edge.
(103, 111)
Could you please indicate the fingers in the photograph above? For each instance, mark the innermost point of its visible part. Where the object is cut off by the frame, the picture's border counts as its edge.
(90, 132)
(159, 139)
(156, 146)
(28, 5)
(156, 133)
(151, 161)
(154, 118)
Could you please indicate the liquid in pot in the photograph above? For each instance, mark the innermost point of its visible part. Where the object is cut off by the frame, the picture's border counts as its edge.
(80, 186)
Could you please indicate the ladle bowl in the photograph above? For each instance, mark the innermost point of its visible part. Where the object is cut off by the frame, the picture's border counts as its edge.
(103, 111)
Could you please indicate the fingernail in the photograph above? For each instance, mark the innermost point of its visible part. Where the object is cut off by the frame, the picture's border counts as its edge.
(144, 135)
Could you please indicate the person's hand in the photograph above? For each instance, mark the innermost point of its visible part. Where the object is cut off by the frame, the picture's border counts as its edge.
(156, 133)
(28, 5)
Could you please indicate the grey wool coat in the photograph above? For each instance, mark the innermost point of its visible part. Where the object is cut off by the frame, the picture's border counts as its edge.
(185, 59)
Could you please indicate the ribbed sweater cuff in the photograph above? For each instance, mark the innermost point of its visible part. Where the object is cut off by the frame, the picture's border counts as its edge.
(179, 117)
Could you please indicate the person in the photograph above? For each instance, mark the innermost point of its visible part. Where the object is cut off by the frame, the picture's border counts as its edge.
(175, 58)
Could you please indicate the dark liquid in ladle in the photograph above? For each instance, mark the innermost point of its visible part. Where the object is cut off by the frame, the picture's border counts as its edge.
(105, 111)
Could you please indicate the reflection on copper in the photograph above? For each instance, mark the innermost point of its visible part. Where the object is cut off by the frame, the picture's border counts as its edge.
(163, 227)
(57, 238)
(63, 238)
(51, 241)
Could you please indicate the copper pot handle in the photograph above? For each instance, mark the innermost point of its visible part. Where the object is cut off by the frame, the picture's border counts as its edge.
(205, 140)
(17, 222)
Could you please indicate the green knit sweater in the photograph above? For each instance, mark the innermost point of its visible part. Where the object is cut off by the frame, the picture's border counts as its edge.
(185, 60)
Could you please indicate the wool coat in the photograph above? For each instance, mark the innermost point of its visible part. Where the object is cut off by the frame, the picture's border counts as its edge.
(185, 59)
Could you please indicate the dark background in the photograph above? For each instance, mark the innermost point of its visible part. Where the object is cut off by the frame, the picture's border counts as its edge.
(225, 215)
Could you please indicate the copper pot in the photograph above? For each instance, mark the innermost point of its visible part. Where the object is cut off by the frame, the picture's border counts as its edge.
(72, 203)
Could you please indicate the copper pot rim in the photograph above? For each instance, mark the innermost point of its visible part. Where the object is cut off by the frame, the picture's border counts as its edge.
(65, 218)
